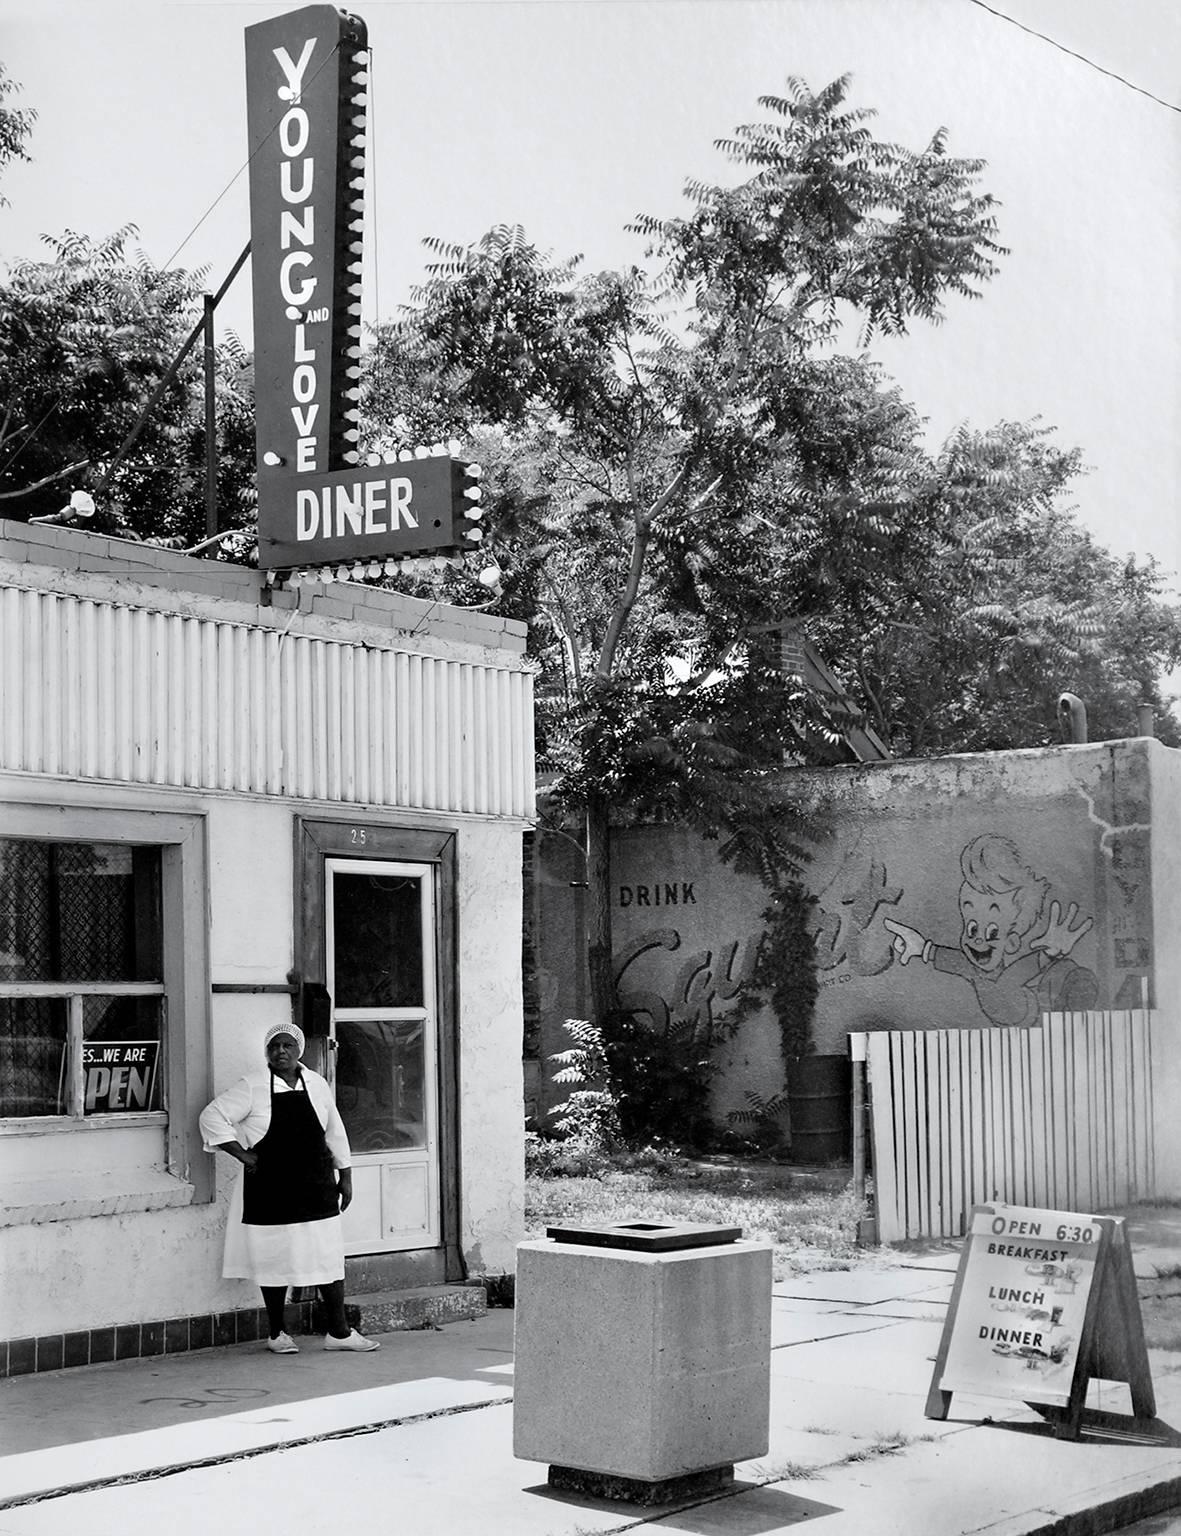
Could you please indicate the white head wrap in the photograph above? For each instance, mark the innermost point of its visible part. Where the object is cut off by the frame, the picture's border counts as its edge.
(285, 1029)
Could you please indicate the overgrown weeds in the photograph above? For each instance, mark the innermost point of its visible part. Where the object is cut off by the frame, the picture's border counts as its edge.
(597, 1170)
(811, 1222)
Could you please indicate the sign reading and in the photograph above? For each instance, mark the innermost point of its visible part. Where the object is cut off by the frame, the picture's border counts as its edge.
(1043, 1302)
(305, 80)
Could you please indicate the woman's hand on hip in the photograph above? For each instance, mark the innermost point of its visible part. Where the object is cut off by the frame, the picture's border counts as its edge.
(240, 1154)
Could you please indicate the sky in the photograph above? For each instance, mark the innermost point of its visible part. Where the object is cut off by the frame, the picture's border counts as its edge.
(571, 117)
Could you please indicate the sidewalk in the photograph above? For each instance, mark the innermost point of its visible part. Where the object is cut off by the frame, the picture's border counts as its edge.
(418, 1436)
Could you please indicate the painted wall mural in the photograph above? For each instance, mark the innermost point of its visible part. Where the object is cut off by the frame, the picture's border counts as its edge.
(1011, 950)
(955, 893)
(699, 987)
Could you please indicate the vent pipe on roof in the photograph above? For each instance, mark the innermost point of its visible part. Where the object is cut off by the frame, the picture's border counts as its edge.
(1072, 719)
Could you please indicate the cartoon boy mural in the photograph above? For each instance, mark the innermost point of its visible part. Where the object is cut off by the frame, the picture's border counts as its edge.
(1001, 902)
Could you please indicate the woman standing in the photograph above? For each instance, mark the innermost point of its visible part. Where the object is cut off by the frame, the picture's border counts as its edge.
(284, 1227)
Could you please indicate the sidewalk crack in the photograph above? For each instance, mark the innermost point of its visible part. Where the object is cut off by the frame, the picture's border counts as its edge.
(154, 1474)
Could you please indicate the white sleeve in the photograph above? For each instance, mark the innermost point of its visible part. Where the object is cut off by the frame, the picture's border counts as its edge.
(334, 1132)
(337, 1138)
(221, 1119)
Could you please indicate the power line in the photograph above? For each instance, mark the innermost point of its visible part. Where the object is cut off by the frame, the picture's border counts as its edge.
(1081, 57)
(332, 52)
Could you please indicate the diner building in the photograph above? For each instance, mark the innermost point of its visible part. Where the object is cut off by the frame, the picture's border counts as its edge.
(226, 803)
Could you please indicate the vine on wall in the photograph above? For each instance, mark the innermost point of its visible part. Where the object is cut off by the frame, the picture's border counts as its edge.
(784, 972)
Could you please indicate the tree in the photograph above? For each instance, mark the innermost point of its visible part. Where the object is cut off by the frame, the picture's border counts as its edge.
(85, 340)
(968, 647)
(636, 420)
(16, 124)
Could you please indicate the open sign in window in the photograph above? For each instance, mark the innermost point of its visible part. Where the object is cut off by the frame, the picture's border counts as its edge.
(119, 1076)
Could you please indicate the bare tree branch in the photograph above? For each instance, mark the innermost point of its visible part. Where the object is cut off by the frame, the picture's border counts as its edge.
(58, 474)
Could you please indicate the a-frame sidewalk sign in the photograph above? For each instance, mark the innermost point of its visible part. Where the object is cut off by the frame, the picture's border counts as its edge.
(1044, 1302)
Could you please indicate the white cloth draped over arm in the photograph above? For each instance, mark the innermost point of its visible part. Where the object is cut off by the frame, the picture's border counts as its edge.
(329, 1117)
(235, 1116)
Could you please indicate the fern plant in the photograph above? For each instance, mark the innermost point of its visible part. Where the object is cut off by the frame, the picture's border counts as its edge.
(591, 1113)
(764, 1117)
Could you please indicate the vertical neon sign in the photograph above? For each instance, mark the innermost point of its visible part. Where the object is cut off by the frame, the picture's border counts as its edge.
(305, 79)
(306, 76)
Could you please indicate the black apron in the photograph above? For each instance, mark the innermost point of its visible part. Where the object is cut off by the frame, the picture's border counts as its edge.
(294, 1180)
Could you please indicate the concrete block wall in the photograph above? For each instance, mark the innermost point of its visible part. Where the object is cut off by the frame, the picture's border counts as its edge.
(1088, 832)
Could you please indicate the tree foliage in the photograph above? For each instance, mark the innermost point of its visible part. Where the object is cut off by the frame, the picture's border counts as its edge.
(635, 421)
(16, 124)
(989, 603)
(86, 337)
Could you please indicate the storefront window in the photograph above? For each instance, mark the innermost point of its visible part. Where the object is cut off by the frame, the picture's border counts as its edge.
(378, 940)
(378, 973)
(81, 978)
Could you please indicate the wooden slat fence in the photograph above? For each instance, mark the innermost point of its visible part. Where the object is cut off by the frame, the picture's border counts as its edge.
(1061, 1115)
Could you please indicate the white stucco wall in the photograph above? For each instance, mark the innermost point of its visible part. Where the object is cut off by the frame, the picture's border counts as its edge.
(1166, 926)
(58, 1276)
(492, 1144)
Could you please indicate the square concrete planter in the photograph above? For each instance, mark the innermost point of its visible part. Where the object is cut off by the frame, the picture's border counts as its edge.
(650, 1370)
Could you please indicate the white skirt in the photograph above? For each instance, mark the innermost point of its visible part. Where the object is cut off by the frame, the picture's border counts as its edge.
(303, 1253)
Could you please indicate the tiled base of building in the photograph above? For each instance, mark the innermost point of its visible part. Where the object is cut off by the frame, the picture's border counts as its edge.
(173, 1336)
(428, 1306)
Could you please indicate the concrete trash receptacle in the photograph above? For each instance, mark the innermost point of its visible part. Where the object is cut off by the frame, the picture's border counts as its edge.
(643, 1357)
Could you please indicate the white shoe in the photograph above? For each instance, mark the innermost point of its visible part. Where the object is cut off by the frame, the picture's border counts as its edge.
(283, 1345)
(355, 1342)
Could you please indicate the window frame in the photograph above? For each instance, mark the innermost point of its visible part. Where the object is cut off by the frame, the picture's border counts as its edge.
(184, 987)
(74, 994)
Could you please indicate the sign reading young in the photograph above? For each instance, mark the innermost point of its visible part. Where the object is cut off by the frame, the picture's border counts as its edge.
(305, 232)
(305, 82)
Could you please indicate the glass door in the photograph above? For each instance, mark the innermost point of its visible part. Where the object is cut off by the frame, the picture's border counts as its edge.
(380, 965)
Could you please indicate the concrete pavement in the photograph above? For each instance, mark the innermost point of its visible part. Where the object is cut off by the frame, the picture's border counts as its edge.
(418, 1436)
